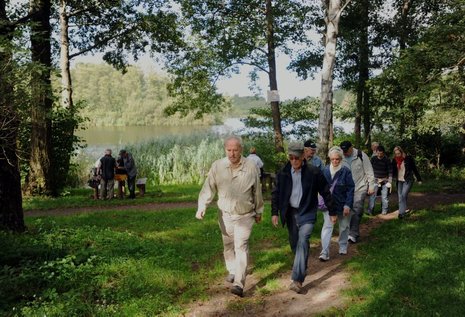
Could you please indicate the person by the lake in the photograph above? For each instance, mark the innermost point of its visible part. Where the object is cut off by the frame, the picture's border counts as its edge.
(106, 169)
(254, 157)
(382, 169)
(130, 167)
(404, 171)
(342, 189)
(295, 202)
(310, 155)
(121, 176)
(362, 173)
(236, 179)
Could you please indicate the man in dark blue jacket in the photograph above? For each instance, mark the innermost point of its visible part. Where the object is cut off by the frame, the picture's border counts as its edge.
(295, 201)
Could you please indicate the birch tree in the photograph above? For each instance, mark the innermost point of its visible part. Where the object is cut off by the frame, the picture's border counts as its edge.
(333, 11)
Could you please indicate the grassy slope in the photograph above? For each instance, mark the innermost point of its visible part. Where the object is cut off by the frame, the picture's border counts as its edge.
(144, 263)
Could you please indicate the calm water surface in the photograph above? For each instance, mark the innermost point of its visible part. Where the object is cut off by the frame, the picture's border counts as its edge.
(100, 138)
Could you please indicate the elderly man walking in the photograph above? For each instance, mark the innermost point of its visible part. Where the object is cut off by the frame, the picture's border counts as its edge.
(362, 173)
(295, 201)
(240, 203)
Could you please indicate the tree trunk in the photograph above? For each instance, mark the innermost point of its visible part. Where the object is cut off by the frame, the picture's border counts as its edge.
(11, 210)
(66, 86)
(66, 98)
(39, 178)
(364, 74)
(275, 112)
(333, 14)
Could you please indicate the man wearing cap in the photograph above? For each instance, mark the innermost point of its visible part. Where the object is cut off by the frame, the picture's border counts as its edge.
(364, 179)
(310, 155)
(294, 200)
(130, 167)
(240, 204)
(106, 168)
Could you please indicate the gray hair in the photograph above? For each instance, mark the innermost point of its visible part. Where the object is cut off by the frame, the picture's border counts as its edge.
(108, 152)
(233, 137)
(336, 150)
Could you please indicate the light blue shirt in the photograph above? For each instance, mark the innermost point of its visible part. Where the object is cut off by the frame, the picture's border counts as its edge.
(317, 162)
(296, 194)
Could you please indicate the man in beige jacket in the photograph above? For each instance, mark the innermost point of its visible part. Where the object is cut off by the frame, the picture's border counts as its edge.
(240, 202)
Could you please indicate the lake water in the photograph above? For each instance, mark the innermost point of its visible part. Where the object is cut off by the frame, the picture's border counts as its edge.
(100, 138)
(116, 138)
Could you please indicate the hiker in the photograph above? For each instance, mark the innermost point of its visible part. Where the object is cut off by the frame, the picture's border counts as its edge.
(310, 155)
(294, 200)
(131, 170)
(240, 204)
(404, 170)
(254, 157)
(106, 168)
(382, 169)
(374, 149)
(342, 189)
(362, 173)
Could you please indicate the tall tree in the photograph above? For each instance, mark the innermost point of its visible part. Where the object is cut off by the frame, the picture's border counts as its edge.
(98, 27)
(333, 11)
(11, 212)
(227, 34)
(39, 177)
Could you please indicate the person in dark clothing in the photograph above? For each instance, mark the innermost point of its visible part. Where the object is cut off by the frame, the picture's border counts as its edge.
(382, 168)
(106, 169)
(404, 170)
(131, 170)
(295, 201)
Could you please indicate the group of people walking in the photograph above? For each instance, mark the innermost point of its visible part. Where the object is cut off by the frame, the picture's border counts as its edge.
(302, 187)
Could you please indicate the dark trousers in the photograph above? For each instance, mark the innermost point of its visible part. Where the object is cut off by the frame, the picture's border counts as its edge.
(132, 186)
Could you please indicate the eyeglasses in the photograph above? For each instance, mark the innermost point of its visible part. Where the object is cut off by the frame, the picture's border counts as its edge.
(294, 158)
(335, 159)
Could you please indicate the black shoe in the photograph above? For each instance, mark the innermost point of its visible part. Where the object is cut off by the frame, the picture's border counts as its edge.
(236, 290)
(401, 216)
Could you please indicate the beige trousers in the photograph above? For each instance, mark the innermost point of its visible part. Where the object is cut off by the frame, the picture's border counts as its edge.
(235, 231)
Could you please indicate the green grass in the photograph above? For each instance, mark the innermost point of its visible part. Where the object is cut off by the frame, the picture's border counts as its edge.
(124, 263)
(412, 267)
(82, 197)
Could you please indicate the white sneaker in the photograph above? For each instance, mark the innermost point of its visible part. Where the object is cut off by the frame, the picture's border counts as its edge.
(324, 258)
(352, 239)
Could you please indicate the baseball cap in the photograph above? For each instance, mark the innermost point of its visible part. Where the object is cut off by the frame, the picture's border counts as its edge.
(345, 146)
(310, 143)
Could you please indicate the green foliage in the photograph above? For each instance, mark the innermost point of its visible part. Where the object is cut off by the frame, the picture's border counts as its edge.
(223, 36)
(125, 263)
(298, 119)
(133, 98)
(177, 160)
(400, 272)
(64, 144)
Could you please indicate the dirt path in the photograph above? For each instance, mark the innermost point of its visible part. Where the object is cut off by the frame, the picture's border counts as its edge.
(322, 286)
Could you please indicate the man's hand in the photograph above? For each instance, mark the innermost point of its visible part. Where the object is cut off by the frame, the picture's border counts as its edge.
(258, 218)
(346, 211)
(420, 182)
(200, 214)
(275, 220)
(371, 192)
(333, 219)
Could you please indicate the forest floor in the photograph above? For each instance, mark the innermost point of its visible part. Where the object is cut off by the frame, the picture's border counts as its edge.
(324, 282)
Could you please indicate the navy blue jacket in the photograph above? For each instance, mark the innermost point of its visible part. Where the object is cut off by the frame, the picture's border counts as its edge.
(343, 193)
(313, 182)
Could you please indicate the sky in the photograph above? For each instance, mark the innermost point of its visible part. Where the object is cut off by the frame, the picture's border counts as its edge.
(289, 85)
